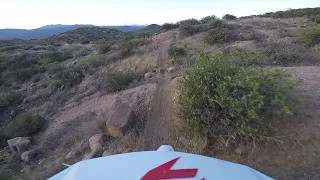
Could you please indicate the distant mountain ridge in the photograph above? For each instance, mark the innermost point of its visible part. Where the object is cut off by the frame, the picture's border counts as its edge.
(55, 29)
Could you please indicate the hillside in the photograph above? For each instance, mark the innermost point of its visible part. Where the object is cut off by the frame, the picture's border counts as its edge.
(244, 90)
(51, 30)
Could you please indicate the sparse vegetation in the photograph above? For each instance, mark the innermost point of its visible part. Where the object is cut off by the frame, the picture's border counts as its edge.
(25, 124)
(71, 77)
(116, 80)
(91, 62)
(309, 36)
(229, 17)
(222, 98)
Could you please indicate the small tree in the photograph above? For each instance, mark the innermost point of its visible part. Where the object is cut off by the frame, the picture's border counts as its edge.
(229, 17)
(208, 19)
(169, 26)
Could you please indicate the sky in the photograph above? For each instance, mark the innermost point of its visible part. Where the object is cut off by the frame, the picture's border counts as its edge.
(30, 14)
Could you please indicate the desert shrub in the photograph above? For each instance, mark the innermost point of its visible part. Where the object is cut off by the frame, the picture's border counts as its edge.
(309, 36)
(6, 98)
(104, 48)
(127, 47)
(82, 52)
(176, 51)
(71, 77)
(208, 19)
(114, 81)
(219, 97)
(58, 56)
(24, 74)
(218, 35)
(284, 53)
(188, 30)
(55, 84)
(169, 26)
(189, 22)
(316, 19)
(25, 124)
(229, 17)
(91, 62)
(8, 48)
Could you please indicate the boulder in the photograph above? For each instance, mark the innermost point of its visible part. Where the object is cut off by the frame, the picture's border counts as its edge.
(120, 121)
(19, 145)
(32, 156)
(148, 75)
(170, 69)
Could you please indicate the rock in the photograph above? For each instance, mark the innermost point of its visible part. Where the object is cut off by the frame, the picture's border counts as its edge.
(170, 69)
(61, 87)
(107, 153)
(76, 154)
(95, 143)
(32, 84)
(19, 145)
(32, 156)
(148, 75)
(239, 150)
(120, 121)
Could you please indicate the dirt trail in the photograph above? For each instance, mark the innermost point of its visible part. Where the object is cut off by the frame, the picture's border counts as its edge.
(155, 132)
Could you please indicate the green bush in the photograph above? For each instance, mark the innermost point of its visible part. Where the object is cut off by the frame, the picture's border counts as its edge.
(309, 36)
(6, 98)
(229, 17)
(8, 48)
(25, 124)
(208, 19)
(116, 80)
(220, 97)
(169, 26)
(218, 35)
(316, 19)
(176, 51)
(189, 22)
(104, 48)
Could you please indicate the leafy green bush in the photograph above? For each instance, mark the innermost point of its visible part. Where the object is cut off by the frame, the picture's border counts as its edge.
(287, 54)
(104, 48)
(309, 36)
(6, 98)
(189, 22)
(218, 35)
(316, 19)
(169, 26)
(176, 51)
(208, 19)
(114, 81)
(229, 17)
(221, 97)
(25, 124)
